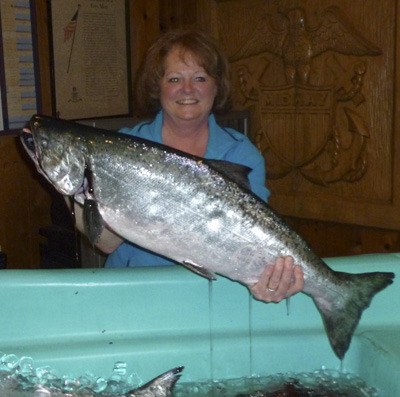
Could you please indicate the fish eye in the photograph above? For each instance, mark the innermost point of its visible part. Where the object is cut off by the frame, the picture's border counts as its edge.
(44, 143)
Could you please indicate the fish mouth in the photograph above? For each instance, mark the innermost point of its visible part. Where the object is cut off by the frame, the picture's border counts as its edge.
(29, 143)
(27, 138)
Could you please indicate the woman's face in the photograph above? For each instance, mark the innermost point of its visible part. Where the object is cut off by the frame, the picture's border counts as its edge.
(187, 92)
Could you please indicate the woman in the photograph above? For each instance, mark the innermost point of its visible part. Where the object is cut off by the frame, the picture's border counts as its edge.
(184, 81)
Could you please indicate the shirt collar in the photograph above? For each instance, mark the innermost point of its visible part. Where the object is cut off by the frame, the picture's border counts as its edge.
(156, 128)
(219, 139)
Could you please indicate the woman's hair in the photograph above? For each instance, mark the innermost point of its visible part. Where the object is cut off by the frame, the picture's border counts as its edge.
(207, 54)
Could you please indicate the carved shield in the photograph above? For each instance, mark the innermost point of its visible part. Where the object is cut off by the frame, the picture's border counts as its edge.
(296, 121)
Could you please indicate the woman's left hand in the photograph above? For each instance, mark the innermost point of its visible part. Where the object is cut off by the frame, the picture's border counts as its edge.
(278, 281)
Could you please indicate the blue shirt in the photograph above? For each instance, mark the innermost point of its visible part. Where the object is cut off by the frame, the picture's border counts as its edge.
(223, 144)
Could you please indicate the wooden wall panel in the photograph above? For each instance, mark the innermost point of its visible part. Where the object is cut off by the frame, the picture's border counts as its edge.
(201, 14)
(330, 239)
(145, 27)
(41, 30)
(320, 80)
(24, 206)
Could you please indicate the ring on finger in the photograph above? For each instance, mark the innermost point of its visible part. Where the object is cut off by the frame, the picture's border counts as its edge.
(271, 289)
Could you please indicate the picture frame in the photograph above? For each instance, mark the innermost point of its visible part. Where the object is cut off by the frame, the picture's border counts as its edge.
(90, 58)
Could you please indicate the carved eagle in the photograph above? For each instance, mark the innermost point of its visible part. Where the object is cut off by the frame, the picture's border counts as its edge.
(296, 44)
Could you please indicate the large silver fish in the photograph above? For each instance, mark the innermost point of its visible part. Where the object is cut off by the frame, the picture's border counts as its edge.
(197, 212)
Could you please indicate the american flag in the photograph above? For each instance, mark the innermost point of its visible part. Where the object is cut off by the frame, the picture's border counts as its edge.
(69, 30)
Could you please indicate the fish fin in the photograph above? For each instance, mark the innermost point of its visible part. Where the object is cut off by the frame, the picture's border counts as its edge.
(92, 220)
(198, 269)
(163, 383)
(237, 172)
(341, 320)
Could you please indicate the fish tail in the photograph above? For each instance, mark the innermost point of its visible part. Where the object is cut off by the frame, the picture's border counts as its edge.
(341, 318)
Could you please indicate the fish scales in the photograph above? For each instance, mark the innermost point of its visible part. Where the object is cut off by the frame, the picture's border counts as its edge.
(171, 202)
(198, 212)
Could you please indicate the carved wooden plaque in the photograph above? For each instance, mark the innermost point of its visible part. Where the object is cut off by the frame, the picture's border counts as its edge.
(319, 79)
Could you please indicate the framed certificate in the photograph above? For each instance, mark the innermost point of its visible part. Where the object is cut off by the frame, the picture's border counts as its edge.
(90, 58)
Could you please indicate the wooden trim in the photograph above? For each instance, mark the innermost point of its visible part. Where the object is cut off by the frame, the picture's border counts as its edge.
(40, 29)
